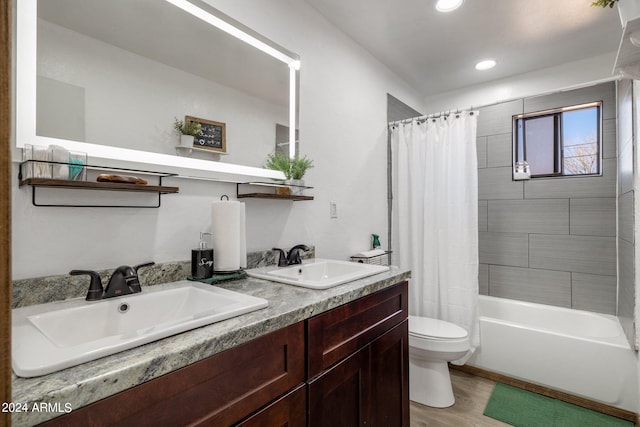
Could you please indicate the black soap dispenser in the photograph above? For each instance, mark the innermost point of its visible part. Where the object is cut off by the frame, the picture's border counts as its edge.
(202, 260)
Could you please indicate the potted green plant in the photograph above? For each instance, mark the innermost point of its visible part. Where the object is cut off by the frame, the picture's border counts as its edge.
(188, 130)
(294, 170)
(604, 3)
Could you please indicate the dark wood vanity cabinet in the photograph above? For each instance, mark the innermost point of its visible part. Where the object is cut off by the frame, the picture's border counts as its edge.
(356, 375)
(358, 362)
(288, 411)
(218, 391)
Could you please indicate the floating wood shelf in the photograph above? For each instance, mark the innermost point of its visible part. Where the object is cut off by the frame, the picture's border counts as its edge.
(273, 196)
(110, 186)
(269, 191)
(158, 189)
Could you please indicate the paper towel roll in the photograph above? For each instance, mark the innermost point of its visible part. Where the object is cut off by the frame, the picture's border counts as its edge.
(243, 237)
(229, 238)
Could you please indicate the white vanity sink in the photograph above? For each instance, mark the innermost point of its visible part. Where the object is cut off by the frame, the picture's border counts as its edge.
(54, 336)
(318, 273)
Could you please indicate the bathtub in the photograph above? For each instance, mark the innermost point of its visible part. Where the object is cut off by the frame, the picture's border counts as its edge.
(578, 352)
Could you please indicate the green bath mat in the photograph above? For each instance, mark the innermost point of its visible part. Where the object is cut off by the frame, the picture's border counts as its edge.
(523, 408)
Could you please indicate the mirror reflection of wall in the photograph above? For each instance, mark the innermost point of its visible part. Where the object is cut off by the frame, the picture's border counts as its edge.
(117, 73)
(60, 109)
(282, 140)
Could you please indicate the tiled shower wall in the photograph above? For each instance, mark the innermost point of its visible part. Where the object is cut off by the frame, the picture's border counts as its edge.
(626, 294)
(551, 241)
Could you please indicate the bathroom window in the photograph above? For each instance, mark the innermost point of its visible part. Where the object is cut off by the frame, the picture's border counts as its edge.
(561, 142)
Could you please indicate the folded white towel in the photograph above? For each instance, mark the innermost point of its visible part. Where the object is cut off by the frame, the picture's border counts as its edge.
(371, 253)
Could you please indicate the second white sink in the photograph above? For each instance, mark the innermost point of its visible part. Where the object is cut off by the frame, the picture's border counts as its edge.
(50, 337)
(318, 273)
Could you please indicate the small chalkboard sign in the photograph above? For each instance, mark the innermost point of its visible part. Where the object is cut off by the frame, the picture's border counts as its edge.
(212, 136)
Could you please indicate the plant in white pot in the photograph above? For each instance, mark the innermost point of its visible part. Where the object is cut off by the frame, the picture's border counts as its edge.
(294, 170)
(188, 130)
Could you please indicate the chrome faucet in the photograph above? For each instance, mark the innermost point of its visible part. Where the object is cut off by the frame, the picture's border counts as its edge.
(123, 281)
(293, 256)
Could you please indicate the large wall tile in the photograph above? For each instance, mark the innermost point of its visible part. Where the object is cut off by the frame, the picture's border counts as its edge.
(609, 142)
(483, 279)
(582, 254)
(496, 183)
(499, 150)
(627, 273)
(593, 217)
(504, 249)
(577, 187)
(593, 293)
(603, 92)
(625, 168)
(528, 284)
(497, 118)
(625, 216)
(481, 151)
(626, 288)
(625, 112)
(482, 215)
(525, 251)
(549, 216)
(626, 235)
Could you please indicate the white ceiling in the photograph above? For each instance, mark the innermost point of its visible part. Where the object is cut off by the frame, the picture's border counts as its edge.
(436, 52)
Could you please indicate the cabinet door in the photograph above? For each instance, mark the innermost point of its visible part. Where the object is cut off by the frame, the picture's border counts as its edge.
(288, 411)
(216, 391)
(339, 332)
(339, 397)
(390, 378)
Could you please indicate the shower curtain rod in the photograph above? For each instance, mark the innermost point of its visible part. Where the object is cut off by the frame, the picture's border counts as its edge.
(449, 112)
(433, 116)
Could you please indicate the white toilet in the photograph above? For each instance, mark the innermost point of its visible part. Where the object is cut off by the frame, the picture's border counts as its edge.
(433, 343)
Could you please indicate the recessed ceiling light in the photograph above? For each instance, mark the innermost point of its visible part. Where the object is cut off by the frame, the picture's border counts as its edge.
(448, 5)
(486, 64)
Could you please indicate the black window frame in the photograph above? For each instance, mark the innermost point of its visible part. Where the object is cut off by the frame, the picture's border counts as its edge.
(558, 145)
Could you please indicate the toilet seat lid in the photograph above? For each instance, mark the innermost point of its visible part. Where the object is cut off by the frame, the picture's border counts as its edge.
(435, 328)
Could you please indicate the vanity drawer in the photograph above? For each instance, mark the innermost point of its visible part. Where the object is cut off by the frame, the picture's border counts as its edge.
(219, 390)
(339, 332)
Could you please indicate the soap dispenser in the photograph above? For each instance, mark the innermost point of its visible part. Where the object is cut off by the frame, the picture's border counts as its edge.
(202, 260)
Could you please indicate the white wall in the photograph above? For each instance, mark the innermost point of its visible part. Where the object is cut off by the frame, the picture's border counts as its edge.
(342, 128)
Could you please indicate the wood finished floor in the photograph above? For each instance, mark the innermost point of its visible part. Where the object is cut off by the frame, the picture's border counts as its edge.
(471, 393)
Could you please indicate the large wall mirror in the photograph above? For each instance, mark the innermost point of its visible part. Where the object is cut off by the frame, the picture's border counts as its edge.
(109, 77)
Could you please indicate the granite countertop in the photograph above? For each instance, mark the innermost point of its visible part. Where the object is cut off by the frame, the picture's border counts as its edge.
(49, 396)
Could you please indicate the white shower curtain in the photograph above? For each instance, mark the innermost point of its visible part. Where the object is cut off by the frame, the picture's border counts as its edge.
(435, 217)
